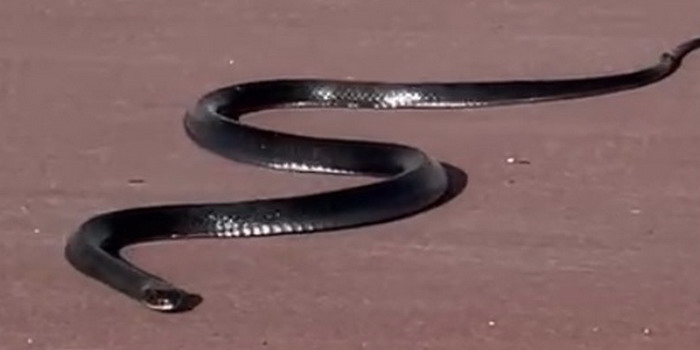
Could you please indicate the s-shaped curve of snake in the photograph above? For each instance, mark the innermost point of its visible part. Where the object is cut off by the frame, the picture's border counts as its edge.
(411, 180)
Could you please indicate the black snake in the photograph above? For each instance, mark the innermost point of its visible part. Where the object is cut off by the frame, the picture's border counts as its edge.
(412, 180)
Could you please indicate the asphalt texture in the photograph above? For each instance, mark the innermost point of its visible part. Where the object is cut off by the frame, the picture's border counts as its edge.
(577, 228)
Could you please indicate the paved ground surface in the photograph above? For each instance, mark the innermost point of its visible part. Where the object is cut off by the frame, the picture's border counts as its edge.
(594, 245)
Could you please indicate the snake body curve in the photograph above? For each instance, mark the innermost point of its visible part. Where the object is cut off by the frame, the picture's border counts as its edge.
(412, 180)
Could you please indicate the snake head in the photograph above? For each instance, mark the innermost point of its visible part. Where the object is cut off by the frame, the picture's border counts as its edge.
(165, 298)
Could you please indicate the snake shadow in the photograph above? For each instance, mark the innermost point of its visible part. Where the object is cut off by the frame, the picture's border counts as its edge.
(457, 181)
(189, 303)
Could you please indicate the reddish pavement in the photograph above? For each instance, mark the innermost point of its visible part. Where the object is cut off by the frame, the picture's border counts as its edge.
(593, 245)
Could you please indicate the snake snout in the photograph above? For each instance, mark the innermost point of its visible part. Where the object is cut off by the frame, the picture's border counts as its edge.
(168, 299)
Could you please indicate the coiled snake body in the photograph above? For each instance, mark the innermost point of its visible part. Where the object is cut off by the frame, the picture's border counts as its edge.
(412, 180)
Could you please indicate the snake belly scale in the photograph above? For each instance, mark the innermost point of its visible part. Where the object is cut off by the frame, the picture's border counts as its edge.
(411, 181)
